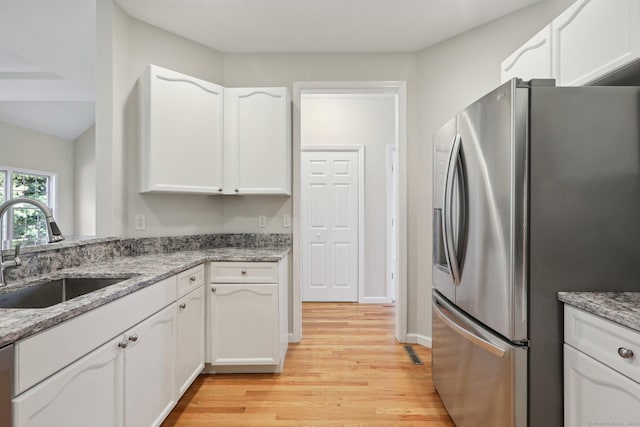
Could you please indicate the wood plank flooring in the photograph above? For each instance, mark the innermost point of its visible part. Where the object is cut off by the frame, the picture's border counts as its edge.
(348, 370)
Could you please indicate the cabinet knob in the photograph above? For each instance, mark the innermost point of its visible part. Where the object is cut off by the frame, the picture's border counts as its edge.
(237, 190)
(625, 353)
(192, 278)
(243, 271)
(133, 338)
(220, 189)
(183, 305)
(213, 289)
(123, 344)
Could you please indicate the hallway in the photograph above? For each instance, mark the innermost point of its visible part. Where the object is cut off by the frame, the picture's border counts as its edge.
(347, 371)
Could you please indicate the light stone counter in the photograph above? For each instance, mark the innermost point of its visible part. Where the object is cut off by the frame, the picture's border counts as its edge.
(619, 307)
(148, 269)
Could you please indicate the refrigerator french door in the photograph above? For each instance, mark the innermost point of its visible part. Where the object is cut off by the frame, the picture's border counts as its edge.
(479, 304)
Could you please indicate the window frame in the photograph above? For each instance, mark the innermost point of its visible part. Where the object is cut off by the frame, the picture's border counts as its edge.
(7, 222)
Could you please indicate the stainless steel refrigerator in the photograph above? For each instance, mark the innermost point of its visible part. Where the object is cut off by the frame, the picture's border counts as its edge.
(536, 190)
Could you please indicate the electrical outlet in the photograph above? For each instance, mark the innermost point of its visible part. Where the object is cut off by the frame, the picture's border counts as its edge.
(262, 221)
(286, 220)
(140, 222)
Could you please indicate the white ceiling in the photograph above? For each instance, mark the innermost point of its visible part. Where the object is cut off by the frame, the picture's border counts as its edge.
(47, 47)
(47, 65)
(319, 25)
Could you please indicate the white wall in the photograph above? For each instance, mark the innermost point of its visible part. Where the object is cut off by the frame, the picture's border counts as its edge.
(440, 80)
(29, 149)
(453, 74)
(359, 119)
(84, 172)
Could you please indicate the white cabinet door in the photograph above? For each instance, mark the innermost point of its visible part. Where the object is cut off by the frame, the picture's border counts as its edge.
(181, 126)
(244, 324)
(86, 393)
(595, 394)
(532, 60)
(257, 137)
(190, 338)
(593, 38)
(150, 389)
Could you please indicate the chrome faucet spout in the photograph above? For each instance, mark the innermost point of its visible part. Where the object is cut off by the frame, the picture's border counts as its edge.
(54, 233)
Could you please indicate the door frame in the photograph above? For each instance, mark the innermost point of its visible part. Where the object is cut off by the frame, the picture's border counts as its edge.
(400, 89)
(392, 189)
(360, 149)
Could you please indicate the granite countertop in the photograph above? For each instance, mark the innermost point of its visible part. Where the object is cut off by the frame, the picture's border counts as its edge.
(16, 324)
(620, 307)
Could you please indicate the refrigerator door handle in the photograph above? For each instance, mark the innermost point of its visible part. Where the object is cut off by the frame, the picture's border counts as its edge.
(450, 252)
(467, 334)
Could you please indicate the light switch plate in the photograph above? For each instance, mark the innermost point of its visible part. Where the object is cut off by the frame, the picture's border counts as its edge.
(141, 223)
(262, 221)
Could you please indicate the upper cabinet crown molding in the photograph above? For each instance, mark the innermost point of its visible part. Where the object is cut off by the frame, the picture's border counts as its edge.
(589, 41)
(198, 137)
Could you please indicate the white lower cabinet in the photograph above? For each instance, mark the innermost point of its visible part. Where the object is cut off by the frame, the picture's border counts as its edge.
(150, 356)
(596, 395)
(190, 338)
(87, 393)
(134, 379)
(248, 316)
(244, 324)
(601, 371)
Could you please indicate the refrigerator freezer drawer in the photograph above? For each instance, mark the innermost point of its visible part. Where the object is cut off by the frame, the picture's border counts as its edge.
(480, 378)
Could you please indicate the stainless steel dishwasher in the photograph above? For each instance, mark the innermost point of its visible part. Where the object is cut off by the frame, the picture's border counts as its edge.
(6, 384)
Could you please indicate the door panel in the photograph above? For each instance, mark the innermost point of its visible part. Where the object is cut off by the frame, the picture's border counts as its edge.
(330, 193)
(480, 378)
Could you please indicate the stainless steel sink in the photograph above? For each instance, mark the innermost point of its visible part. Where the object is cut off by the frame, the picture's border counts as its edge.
(55, 291)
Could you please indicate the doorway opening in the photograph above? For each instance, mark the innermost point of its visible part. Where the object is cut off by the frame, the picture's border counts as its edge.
(333, 121)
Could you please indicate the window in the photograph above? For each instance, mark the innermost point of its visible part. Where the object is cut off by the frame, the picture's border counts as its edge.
(24, 224)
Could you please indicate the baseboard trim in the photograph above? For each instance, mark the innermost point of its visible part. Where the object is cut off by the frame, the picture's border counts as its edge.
(422, 340)
(374, 300)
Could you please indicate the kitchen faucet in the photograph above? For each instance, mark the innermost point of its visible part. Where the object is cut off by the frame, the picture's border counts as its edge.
(52, 229)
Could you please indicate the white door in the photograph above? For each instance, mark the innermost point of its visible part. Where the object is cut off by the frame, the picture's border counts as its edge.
(330, 202)
(150, 390)
(86, 393)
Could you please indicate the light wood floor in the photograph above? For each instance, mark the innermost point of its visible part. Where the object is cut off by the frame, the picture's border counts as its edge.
(347, 371)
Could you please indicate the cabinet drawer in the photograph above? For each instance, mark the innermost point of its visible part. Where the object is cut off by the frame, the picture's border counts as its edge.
(244, 272)
(190, 279)
(601, 339)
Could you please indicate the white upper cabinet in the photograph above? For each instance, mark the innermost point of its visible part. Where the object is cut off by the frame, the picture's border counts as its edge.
(594, 38)
(589, 41)
(198, 137)
(257, 137)
(532, 60)
(181, 130)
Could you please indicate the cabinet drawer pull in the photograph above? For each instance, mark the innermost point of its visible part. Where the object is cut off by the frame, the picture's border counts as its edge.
(123, 344)
(219, 189)
(183, 305)
(133, 338)
(213, 289)
(192, 278)
(243, 271)
(237, 190)
(625, 353)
